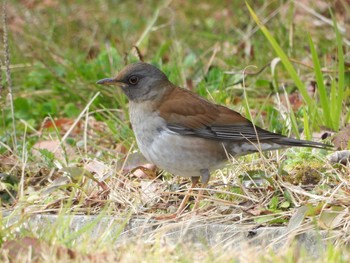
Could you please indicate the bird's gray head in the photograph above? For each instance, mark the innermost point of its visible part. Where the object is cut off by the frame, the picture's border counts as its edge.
(139, 81)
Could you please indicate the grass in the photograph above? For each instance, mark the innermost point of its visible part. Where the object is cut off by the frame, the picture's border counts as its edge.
(68, 148)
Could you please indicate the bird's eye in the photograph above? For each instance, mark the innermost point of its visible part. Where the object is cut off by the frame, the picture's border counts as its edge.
(133, 80)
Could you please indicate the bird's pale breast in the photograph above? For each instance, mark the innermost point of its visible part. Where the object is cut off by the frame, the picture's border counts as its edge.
(177, 154)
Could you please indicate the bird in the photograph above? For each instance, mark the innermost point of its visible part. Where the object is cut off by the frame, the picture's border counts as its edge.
(185, 134)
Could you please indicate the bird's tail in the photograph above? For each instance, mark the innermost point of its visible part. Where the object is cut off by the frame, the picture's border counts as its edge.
(289, 142)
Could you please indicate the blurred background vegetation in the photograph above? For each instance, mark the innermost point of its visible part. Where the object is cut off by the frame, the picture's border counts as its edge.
(59, 49)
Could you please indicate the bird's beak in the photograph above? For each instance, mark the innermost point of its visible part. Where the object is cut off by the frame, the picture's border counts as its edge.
(107, 81)
(111, 81)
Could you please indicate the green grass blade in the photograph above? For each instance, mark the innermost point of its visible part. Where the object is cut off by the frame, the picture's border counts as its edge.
(341, 75)
(333, 97)
(307, 131)
(293, 120)
(320, 86)
(284, 58)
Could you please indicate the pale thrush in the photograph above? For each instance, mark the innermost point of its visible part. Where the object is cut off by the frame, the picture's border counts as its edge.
(185, 134)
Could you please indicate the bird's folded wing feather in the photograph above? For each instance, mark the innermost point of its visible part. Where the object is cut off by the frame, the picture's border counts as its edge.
(189, 114)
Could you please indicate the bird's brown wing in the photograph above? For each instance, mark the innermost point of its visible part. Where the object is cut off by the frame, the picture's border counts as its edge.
(189, 114)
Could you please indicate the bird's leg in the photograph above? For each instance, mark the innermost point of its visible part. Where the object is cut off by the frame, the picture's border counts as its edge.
(183, 204)
(205, 176)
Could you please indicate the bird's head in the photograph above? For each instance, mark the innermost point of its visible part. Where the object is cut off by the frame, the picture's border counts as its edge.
(139, 81)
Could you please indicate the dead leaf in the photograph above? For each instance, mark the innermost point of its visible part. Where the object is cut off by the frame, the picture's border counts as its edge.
(77, 173)
(137, 164)
(22, 247)
(297, 218)
(99, 169)
(62, 124)
(31, 249)
(341, 140)
(8, 160)
(43, 4)
(54, 147)
(150, 191)
(57, 183)
(258, 211)
(146, 171)
(332, 218)
(295, 101)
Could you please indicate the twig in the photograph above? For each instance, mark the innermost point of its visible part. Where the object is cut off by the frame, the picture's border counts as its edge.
(295, 61)
(8, 73)
(76, 121)
(139, 54)
(215, 51)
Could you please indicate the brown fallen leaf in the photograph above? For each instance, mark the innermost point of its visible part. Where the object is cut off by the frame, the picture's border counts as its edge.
(54, 147)
(31, 249)
(258, 211)
(33, 4)
(138, 166)
(341, 140)
(8, 160)
(19, 249)
(295, 101)
(147, 170)
(101, 170)
(62, 125)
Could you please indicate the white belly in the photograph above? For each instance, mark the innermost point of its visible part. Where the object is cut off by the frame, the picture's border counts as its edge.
(182, 155)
